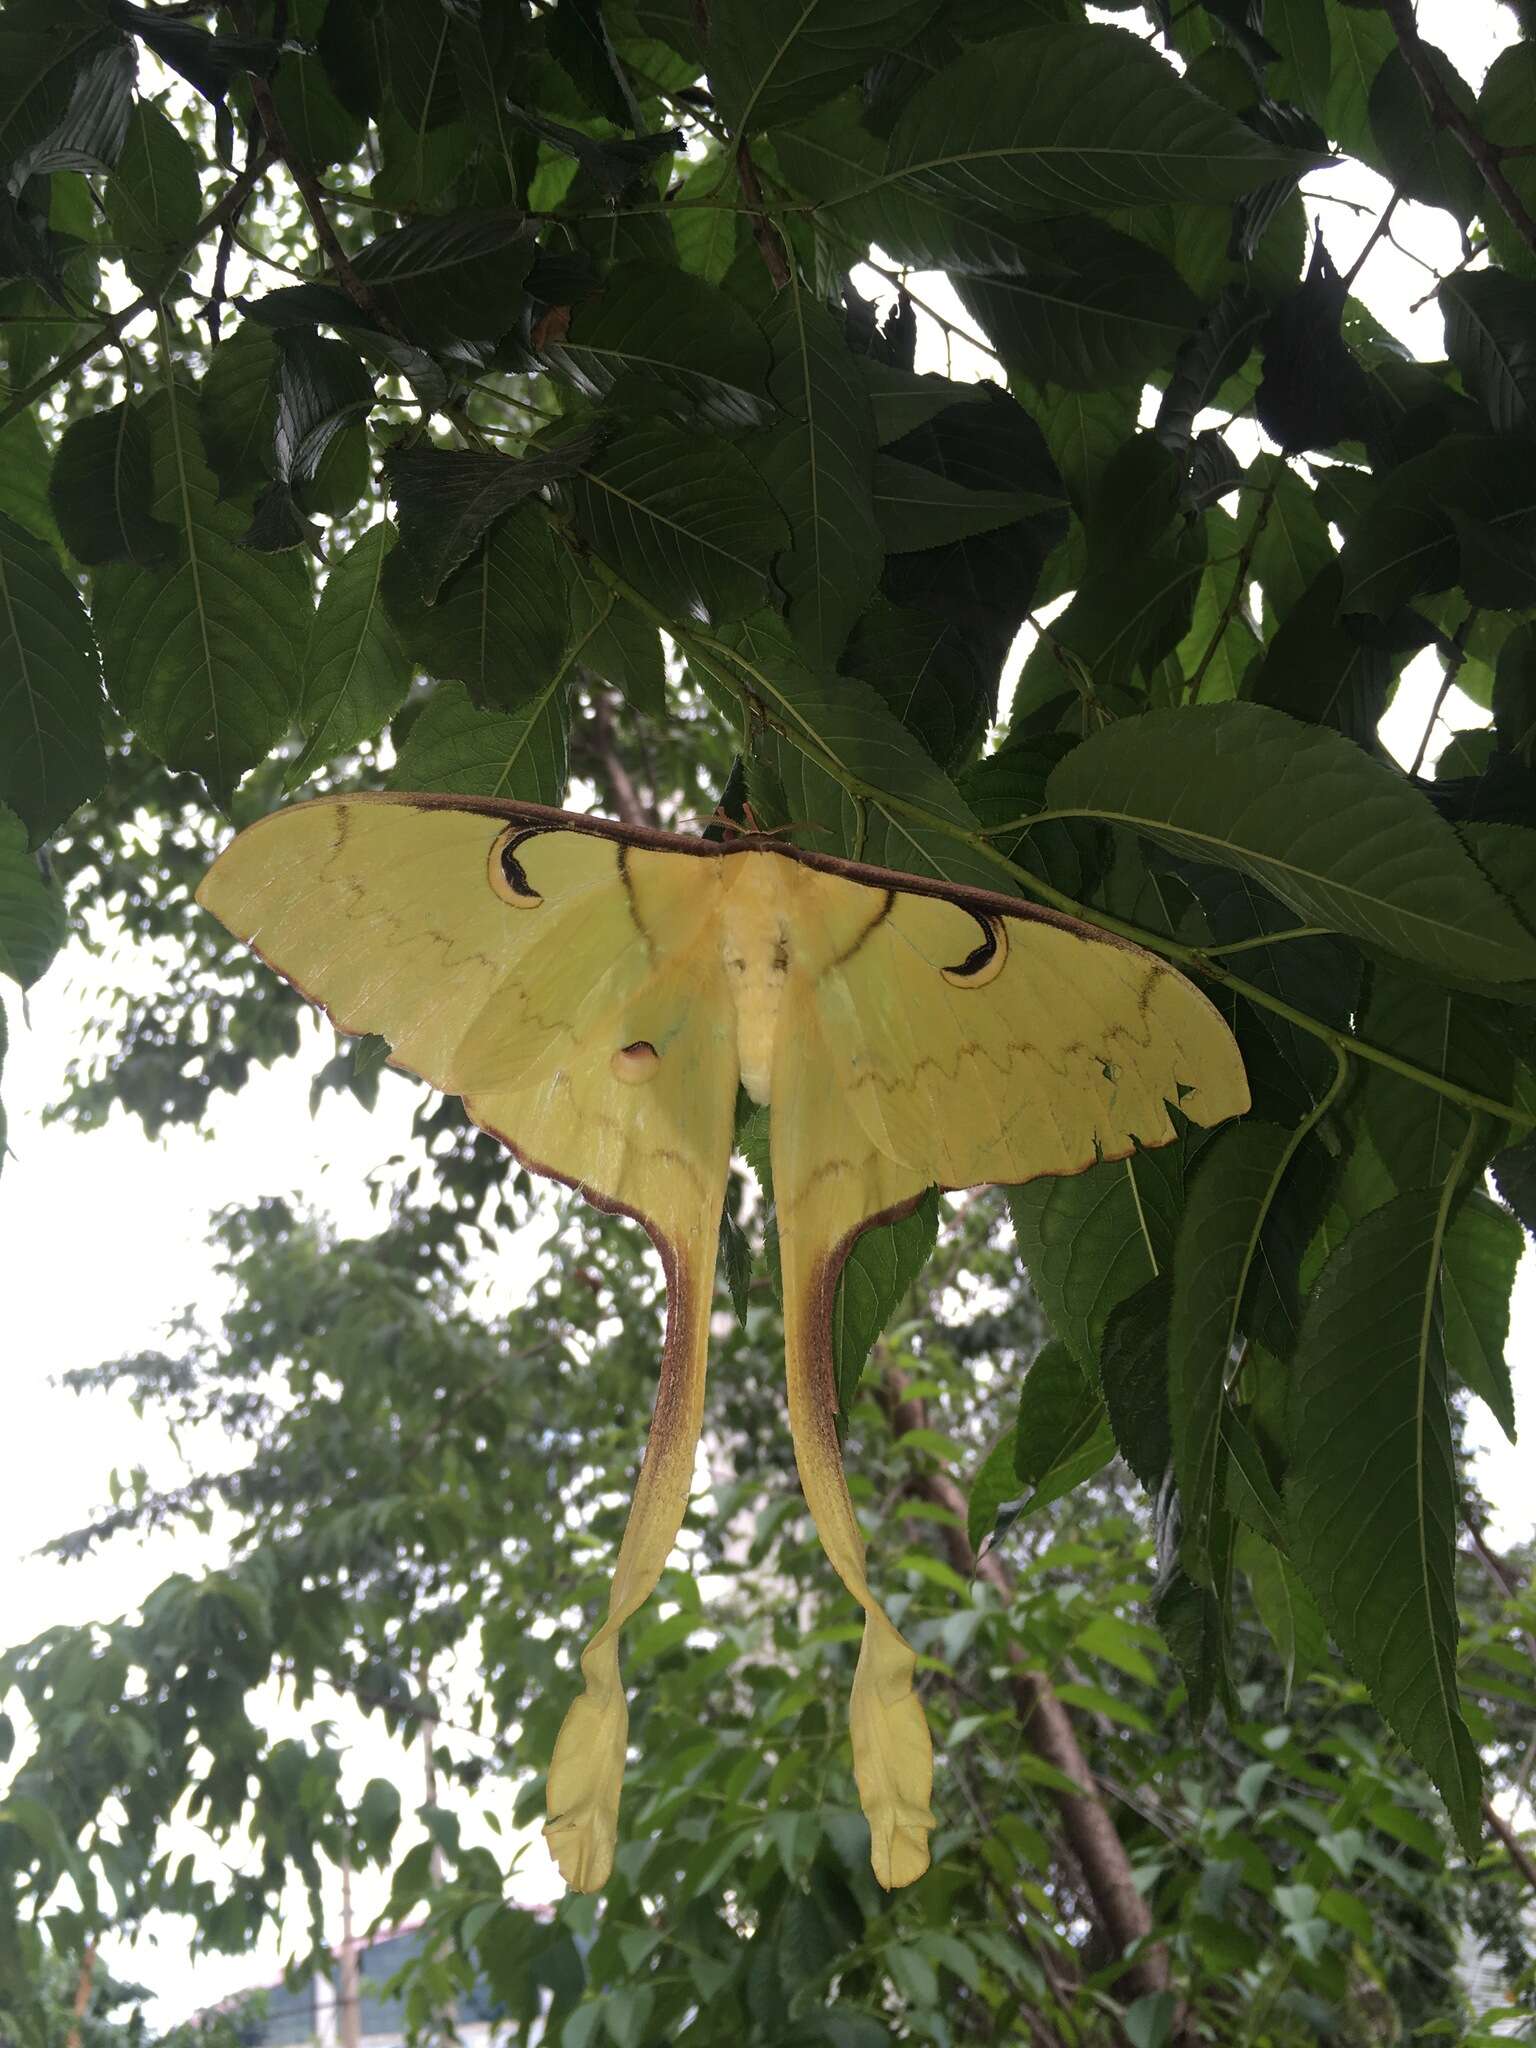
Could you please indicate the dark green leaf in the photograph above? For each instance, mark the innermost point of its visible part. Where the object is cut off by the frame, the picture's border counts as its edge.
(1490, 333)
(1285, 1607)
(1217, 350)
(1062, 1435)
(85, 131)
(209, 62)
(454, 283)
(448, 497)
(1133, 1372)
(1094, 1238)
(994, 1486)
(500, 622)
(819, 469)
(31, 913)
(876, 1275)
(1482, 1250)
(519, 754)
(1416, 1133)
(1228, 1198)
(655, 323)
(1506, 115)
(903, 401)
(51, 755)
(1340, 837)
(1107, 311)
(200, 654)
(918, 509)
(45, 62)
(153, 199)
(101, 488)
(355, 674)
(1322, 668)
(237, 409)
(1406, 541)
(684, 517)
(928, 676)
(1372, 1490)
(1424, 160)
(322, 388)
(774, 61)
(1071, 119)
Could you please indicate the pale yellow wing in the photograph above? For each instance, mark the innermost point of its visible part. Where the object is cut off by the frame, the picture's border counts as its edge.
(569, 986)
(977, 1041)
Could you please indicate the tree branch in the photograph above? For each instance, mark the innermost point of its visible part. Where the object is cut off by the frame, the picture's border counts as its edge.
(764, 233)
(228, 208)
(1519, 1855)
(1446, 114)
(627, 800)
(1096, 1846)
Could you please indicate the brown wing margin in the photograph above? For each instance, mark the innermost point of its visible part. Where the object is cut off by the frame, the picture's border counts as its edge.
(543, 816)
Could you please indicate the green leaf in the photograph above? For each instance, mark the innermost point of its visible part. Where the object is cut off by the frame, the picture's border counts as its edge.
(44, 62)
(519, 754)
(916, 508)
(85, 131)
(1343, 839)
(1418, 1134)
(1062, 1435)
(1406, 541)
(31, 913)
(25, 464)
(903, 400)
(1285, 1607)
(775, 60)
(1228, 1198)
(201, 654)
(684, 517)
(237, 409)
(1091, 1239)
(1292, 547)
(929, 676)
(1371, 1491)
(322, 388)
(1133, 1372)
(501, 620)
(653, 322)
(1482, 1251)
(1490, 335)
(153, 199)
(1424, 160)
(320, 130)
(355, 674)
(879, 1269)
(994, 1486)
(1070, 119)
(819, 469)
(1106, 311)
(1321, 668)
(1506, 116)
(454, 282)
(102, 486)
(837, 730)
(447, 497)
(51, 753)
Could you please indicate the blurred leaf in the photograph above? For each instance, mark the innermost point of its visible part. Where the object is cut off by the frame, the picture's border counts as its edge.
(1062, 1435)
(1482, 1251)
(31, 914)
(51, 753)
(1372, 1491)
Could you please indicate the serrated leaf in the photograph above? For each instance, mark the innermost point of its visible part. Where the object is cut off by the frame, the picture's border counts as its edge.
(1092, 1239)
(31, 913)
(1490, 335)
(1062, 1435)
(501, 621)
(1217, 350)
(1133, 1373)
(72, 117)
(1371, 1493)
(447, 497)
(237, 408)
(51, 753)
(1108, 310)
(1406, 541)
(44, 63)
(684, 517)
(1228, 1199)
(917, 509)
(453, 283)
(519, 754)
(651, 321)
(929, 677)
(355, 674)
(1506, 115)
(1456, 1035)
(1320, 668)
(904, 400)
(1340, 837)
(322, 389)
(879, 1269)
(1073, 118)
(1424, 160)
(818, 466)
(102, 485)
(1482, 1251)
(320, 130)
(200, 654)
(153, 199)
(774, 60)
(994, 1486)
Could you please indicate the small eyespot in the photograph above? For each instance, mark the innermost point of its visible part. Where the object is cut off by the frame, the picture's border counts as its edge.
(505, 871)
(637, 1062)
(985, 962)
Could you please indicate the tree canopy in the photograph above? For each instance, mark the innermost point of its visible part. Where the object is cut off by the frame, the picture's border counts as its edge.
(522, 400)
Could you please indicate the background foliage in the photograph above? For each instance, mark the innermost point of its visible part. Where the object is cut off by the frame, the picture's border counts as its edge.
(479, 397)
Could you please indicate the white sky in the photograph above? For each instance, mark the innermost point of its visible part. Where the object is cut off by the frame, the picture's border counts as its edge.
(104, 1234)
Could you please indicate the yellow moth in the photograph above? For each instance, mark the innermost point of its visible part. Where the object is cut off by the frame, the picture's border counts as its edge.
(595, 993)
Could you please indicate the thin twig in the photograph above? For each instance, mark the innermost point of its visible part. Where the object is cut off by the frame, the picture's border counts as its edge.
(112, 327)
(1383, 222)
(1445, 113)
(1235, 595)
(1518, 1854)
(1453, 662)
(764, 233)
